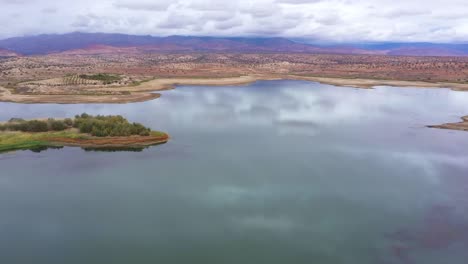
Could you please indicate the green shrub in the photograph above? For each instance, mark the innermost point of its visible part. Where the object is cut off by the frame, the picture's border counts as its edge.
(31, 126)
(68, 122)
(56, 125)
(106, 78)
(98, 126)
(16, 120)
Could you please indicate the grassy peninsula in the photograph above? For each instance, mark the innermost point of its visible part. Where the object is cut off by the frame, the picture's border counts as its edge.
(86, 131)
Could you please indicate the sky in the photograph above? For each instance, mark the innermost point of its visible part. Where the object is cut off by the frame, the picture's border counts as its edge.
(315, 20)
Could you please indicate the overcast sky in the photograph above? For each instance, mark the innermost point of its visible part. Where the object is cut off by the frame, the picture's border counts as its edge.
(326, 20)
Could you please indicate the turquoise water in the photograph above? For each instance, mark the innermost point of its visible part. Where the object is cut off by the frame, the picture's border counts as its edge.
(274, 172)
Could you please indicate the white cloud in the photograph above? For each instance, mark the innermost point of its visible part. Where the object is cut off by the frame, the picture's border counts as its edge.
(329, 20)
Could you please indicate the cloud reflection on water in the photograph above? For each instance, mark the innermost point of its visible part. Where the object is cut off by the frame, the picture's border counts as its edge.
(286, 166)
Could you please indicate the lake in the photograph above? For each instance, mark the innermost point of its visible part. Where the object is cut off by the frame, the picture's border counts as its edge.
(273, 172)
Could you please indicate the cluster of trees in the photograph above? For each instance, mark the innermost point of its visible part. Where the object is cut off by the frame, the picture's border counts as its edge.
(98, 126)
(18, 124)
(109, 126)
(75, 80)
(104, 77)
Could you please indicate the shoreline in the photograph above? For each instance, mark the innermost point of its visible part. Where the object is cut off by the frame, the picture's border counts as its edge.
(460, 126)
(147, 90)
(7, 96)
(85, 131)
(111, 142)
(46, 140)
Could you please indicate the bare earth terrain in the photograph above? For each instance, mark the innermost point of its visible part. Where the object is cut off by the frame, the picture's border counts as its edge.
(55, 78)
(462, 126)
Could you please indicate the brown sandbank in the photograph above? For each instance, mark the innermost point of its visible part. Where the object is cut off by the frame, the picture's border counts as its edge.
(462, 126)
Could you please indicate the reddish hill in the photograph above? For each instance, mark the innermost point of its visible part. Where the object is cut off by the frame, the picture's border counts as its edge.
(98, 43)
(100, 49)
(8, 53)
(416, 51)
(187, 44)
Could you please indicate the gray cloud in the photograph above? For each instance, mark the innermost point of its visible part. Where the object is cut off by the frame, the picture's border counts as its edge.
(16, 2)
(298, 2)
(143, 5)
(49, 10)
(218, 16)
(201, 5)
(261, 9)
(224, 25)
(180, 20)
(328, 20)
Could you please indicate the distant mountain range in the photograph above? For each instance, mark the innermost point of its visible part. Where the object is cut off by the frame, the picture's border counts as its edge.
(98, 43)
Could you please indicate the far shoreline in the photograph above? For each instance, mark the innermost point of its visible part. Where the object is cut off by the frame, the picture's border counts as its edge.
(148, 91)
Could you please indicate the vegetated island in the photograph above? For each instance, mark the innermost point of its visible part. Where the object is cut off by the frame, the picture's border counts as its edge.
(105, 133)
(463, 126)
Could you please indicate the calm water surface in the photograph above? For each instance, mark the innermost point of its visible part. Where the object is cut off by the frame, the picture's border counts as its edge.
(275, 172)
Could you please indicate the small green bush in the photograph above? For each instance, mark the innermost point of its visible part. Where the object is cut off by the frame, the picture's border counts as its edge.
(106, 78)
(56, 125)
(105, 126)
(68, 122)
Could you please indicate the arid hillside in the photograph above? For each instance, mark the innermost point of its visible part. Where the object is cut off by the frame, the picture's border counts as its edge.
(430, 69)
(7, 53)
(125, 76)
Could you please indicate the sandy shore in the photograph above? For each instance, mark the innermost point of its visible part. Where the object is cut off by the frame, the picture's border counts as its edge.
(7, 96)
(166, 84)
(462, 126)
(143, 91)
(370, 83)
